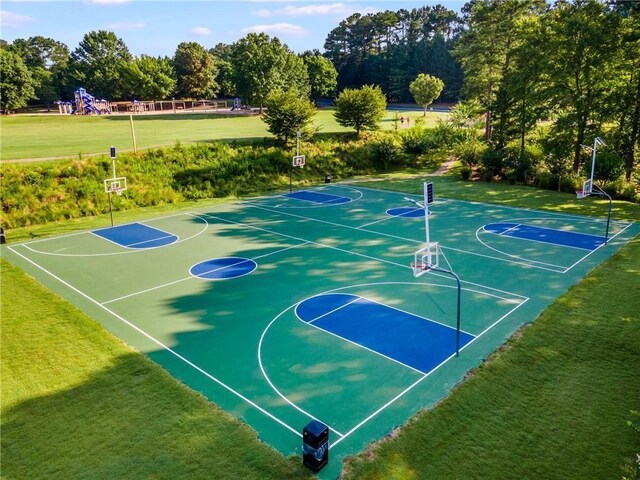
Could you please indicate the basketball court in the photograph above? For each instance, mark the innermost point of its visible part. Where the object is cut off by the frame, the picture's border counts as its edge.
(304, 306)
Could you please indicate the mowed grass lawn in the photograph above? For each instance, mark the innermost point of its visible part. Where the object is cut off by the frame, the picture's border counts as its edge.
(553, 404)
(42, 136)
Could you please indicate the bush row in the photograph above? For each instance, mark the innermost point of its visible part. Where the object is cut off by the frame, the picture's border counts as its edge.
(40, 193)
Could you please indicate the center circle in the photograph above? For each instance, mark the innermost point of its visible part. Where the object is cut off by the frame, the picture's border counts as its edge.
(223, 268)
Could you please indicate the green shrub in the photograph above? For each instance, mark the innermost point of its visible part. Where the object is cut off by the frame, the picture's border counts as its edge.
(414, 140)
(465, 173)
(492, 162)
(386, 151)
(470, 151)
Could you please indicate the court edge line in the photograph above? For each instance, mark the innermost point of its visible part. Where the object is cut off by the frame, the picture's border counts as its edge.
(410, 387)
(159, 343)
(599, 247)
(190, 277)
(338, 289)
(550, 212)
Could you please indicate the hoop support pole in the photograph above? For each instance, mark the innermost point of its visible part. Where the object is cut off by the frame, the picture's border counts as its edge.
(110, 207)
(454, 275)
(604, 194)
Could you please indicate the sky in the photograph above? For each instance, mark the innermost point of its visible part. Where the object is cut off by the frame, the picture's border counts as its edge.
(157, 27)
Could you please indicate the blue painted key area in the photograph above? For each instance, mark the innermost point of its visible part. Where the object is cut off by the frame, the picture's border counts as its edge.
(317, 197)
(409, 339)
(136, 235)
(546, 235)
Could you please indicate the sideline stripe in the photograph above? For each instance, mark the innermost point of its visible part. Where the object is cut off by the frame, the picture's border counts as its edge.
(159, 343)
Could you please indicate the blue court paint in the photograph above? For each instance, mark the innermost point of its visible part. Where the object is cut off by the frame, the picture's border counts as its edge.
(408, 212)
(546, 235)
(223, 268)
(136, 235)
(409, 339)
(317, 197)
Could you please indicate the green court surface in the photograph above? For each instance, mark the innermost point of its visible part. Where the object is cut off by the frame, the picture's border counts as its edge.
(285, 309)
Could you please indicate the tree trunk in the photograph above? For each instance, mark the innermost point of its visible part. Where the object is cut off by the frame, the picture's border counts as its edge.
(582, 126)
(635, 132)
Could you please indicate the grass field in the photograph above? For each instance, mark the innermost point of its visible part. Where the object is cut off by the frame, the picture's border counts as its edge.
(552, 405)
(43, 136)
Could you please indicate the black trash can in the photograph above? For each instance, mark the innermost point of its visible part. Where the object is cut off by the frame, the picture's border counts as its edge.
(327, 178)
(315, 445)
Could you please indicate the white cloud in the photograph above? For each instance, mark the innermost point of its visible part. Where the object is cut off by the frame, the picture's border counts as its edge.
(108, 2)
(263, 12)
(10, 19)
(324, 9)
(275, 29)
(126, 26)
(201, 31)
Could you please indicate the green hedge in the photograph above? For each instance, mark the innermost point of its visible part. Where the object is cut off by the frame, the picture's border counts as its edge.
(34, 194)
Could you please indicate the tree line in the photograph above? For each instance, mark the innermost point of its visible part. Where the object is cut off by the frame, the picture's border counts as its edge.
(549, 76)
(43, 70)
(574, 65)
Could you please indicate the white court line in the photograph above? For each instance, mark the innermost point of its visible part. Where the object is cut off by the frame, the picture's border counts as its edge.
(528, 263)
(560, 269)
(309, 241)
(506, 231)
(28, 242)
(389, 217)
(264, 373)
(152, 240)
(329, 312)
(533, 240)
(410, 387)
(125, 252)
(162, 345)
(601, 246)
(273, 387)
(486, 287)
(316, 220)
(191, 277)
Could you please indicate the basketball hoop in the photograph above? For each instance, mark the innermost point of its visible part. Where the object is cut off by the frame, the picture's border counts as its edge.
(585, 191)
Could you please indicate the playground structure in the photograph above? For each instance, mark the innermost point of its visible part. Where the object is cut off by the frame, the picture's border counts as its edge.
(86, 104)
(168, 106)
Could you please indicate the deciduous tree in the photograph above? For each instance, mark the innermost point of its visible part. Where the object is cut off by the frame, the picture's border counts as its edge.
(96, 64)
(195, 71)
(361, 109)
(286, 113)
(425, 89)
(16, 83)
